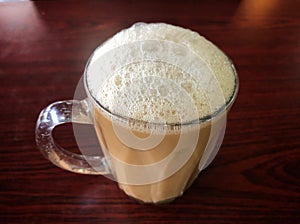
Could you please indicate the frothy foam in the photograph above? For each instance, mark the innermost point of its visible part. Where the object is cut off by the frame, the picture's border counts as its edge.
(153, 92)
(162, 92)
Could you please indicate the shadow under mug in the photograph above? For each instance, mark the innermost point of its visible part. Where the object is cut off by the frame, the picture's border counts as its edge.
(152, 162)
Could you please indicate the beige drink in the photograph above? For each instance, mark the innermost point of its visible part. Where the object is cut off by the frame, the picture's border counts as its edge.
(163, 190)
(155, 117)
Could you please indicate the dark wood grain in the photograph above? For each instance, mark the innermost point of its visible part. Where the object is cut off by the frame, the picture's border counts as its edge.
(255, 178)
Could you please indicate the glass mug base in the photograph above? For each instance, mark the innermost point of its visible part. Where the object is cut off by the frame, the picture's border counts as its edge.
(163, 201)
(166, 201)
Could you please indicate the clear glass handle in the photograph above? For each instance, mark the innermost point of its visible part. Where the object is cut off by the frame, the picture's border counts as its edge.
(60, 113)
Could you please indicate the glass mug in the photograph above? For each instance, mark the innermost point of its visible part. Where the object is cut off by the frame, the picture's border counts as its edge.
(153, 159)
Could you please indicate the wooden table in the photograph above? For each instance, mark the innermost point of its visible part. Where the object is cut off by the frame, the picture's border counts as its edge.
(255, 178)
